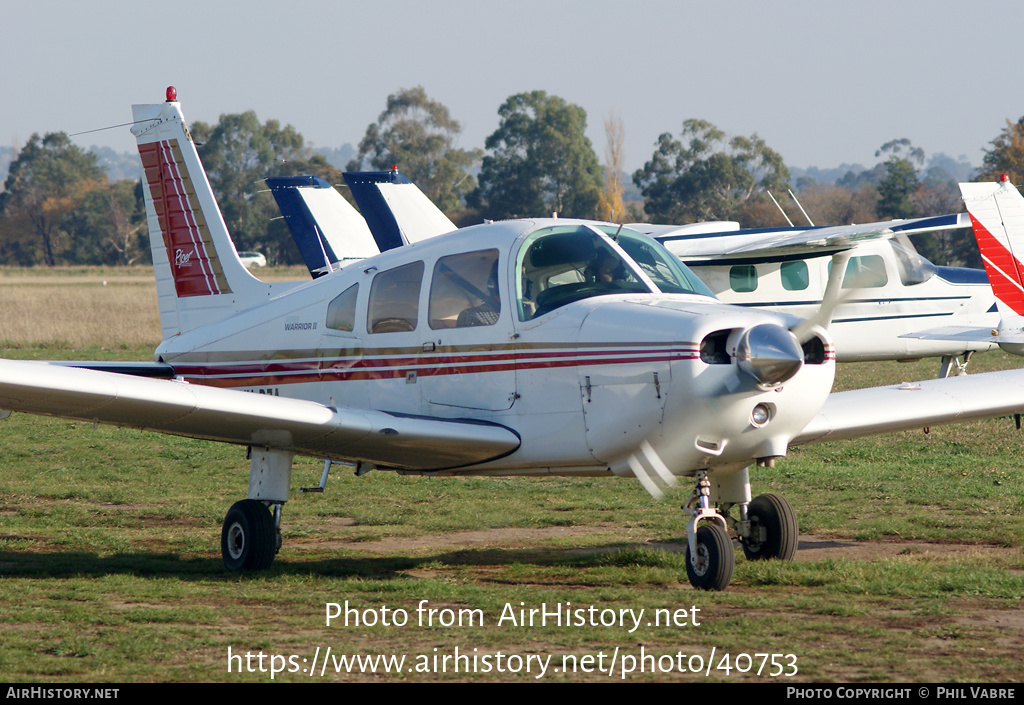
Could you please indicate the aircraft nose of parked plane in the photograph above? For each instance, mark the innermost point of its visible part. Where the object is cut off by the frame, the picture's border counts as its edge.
(769, 353)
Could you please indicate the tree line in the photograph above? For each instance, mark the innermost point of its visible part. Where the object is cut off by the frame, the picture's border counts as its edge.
(58, 207)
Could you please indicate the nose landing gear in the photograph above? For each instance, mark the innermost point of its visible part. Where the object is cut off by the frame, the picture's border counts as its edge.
(767, 529)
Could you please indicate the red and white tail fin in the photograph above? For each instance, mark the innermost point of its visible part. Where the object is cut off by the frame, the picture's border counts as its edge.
(997, 215)
(199, 276)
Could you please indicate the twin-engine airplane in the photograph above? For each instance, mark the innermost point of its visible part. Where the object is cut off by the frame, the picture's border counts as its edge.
(526, 347)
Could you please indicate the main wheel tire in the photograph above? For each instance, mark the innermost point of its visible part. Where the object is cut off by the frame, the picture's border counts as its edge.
(248, 540)
(775, 515)
(716, 559)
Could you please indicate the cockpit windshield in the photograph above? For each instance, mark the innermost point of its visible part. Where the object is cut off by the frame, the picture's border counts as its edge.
(913, 268)
(562, 264)
(669, 274)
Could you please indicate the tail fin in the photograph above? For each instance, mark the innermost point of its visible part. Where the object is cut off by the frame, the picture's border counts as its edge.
(997, 216)
(395, 209)
(325, 227)
(199, 277)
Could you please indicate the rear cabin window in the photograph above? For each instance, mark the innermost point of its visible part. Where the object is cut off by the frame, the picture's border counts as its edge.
(743, 278)
(394, 299)
(341, 312)
(464, 291)
(794, 275)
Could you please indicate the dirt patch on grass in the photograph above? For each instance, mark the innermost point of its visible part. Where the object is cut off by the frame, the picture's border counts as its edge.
(463, 539)
(811, 548)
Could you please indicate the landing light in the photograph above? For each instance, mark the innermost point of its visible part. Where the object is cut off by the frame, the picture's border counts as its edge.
(761, 415)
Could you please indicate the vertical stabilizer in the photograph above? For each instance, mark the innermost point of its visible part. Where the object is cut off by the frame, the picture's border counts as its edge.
(395, 209)
(327, 230)
(997, 216)
(199, 277)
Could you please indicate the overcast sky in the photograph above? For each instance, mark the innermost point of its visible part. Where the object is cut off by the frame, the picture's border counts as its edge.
(821, 82)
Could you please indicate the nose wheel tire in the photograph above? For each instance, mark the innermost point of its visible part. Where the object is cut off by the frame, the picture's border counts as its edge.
(712, 567)
(773, 529)
(249, 538)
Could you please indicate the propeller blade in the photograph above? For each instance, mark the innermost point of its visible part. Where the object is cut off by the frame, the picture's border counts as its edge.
(657, 476)
(833, 297)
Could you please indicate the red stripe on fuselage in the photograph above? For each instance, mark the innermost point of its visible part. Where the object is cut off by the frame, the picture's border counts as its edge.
(245, 374)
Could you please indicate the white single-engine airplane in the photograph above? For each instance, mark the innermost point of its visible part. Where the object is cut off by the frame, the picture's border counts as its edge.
(890, 291)
(527, 347)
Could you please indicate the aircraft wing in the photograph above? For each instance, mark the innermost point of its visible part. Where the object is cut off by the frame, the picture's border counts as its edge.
(232, 416)
(865, 412)
(690, 245)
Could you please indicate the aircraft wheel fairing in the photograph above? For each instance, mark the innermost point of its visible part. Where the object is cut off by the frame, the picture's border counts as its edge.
(715, 560)
(249, 538)
(776, 517)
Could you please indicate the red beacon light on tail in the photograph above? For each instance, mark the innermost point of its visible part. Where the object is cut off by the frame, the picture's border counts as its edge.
(172, 94)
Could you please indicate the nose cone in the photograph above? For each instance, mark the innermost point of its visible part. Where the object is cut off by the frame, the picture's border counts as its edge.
(769, 353)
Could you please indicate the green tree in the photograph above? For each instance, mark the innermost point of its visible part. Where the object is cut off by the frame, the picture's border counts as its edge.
(900, 181)
(420, 136)
(1006, 155)
(238, 153)
(109, 226)
(45, 184)
(538, 161)
(704, 177)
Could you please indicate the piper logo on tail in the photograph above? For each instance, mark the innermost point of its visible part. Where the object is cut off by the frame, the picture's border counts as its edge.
(181, 258)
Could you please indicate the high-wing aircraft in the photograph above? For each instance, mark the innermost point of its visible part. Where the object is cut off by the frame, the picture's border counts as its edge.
(997, 218)
(525, 347)
(890, 290)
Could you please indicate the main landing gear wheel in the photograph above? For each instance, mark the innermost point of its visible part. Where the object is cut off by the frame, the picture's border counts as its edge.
(773, 529)
(249, 539)
(715, 560)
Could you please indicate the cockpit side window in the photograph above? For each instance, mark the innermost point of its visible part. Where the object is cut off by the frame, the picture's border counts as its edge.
(464, 291)
(563, 264)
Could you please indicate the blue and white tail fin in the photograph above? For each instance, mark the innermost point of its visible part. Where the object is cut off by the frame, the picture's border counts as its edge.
(395, 209)
(327, 230)
(199, 277)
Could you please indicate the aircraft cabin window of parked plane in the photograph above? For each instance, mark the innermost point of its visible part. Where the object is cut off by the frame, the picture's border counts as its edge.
(743, 278)
(341, 312)
(563, 264)
(464, 291)
(394, 299)
(794, 275)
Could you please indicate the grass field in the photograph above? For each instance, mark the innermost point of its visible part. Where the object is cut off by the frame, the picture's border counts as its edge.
(911, 563)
